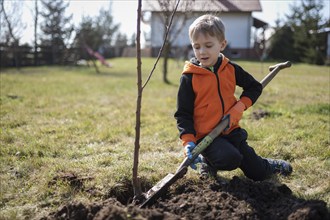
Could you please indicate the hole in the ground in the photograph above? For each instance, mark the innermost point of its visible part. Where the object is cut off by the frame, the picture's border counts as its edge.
(123, 190)
(259, 114)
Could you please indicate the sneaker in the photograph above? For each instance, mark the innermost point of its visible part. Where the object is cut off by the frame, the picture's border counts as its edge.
(206, 171)
(280, 166)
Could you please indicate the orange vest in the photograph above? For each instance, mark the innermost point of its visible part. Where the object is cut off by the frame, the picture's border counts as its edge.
(214, 96)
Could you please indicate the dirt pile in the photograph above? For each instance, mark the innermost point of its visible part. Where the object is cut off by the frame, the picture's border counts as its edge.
(238, 198)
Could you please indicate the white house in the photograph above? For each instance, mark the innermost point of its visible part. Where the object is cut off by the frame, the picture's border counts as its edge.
(236, 15)
(326, 31)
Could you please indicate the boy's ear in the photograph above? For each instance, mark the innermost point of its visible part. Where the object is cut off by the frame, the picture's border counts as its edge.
(223, 45)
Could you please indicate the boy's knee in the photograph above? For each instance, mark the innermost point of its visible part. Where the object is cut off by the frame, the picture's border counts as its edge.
(229, 162)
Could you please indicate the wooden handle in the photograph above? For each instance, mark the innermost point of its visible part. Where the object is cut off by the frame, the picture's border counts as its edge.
(280, 65)
(274, 70)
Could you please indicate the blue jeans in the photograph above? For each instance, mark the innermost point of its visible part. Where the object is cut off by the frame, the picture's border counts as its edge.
(232, 151)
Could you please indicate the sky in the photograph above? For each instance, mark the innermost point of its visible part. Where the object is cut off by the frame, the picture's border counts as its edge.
(124, 12)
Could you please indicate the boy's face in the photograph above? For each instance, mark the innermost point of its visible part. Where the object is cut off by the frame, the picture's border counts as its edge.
(207, 49)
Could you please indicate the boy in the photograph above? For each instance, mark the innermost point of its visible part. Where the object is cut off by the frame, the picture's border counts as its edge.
(206, 95)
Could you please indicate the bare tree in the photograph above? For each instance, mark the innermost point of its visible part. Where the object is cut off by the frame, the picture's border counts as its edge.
(14, 26)
(186, 11)
(135, 180)
(180, 22)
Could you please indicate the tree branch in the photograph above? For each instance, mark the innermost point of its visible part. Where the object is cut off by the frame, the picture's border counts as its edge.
(162, 47)
(10, 29)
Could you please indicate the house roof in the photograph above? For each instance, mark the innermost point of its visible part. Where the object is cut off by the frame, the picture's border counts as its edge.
(259, 23)
(207, 5)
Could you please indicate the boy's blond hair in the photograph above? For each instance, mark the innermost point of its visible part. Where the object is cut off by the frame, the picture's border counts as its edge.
(207, 24)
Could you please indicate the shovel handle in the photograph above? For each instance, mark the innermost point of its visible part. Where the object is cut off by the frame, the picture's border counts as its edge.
(280, 65)
(274, 70)
(207, 140)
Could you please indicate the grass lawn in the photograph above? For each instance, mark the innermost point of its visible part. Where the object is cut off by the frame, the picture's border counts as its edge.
(63, 122)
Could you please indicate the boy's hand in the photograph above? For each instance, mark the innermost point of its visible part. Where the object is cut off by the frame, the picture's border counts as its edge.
(188, 149)
(188, 153)
(236, 113)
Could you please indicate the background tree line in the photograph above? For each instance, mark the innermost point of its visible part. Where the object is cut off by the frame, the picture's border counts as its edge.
(56, 39)
(300, 37)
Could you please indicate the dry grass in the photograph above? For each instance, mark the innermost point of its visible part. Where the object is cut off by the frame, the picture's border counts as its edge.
(61, 120)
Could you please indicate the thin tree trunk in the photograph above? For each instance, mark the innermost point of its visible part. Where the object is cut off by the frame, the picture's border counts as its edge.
(35, 33)
(16, 51)
(136, 181)
(165, 62)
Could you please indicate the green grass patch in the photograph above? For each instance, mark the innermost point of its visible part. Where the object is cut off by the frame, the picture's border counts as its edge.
(58, 121)
(321, 109)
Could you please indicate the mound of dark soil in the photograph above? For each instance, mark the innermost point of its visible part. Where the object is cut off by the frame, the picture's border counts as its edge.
(238, 198)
